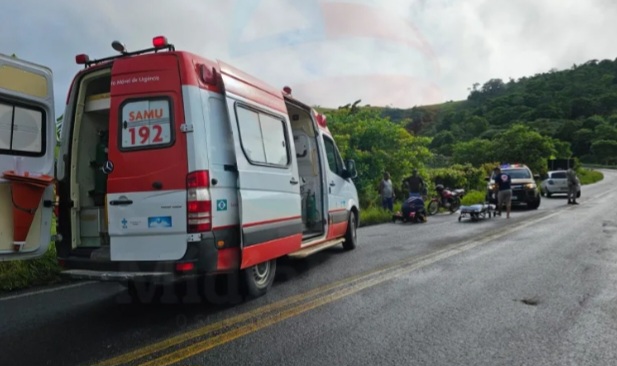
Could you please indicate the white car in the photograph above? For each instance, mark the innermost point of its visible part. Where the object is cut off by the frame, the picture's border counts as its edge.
(556, 183)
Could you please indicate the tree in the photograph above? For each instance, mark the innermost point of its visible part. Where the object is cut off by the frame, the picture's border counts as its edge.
(592, 122)
(605, 150)
(562, 149)
(476, 152)
(606, 132)
(474, 126)
(581, 141)
(442, 142)
(493, 87)
(523, 145)
(377, 145)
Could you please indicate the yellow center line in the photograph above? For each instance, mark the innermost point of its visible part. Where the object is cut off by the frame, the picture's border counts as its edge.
(218, 340)
(226, 323)
(203, 346)
(259, 312)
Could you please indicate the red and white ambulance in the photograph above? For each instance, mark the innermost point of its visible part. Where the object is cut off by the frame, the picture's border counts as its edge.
(172, 165)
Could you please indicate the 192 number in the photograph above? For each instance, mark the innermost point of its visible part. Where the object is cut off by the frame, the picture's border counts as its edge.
(143, 134)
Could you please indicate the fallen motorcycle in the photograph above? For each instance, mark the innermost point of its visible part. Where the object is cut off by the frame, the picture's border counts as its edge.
(413, 210)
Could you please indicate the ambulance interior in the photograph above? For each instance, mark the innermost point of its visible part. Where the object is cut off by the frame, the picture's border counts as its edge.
(88, 153)
(307, 155)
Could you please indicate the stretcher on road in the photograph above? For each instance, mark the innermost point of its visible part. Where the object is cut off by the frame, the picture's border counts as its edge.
(477, 212)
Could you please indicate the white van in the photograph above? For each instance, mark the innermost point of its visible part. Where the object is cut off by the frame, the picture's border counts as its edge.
(172, 165)
(27, 143)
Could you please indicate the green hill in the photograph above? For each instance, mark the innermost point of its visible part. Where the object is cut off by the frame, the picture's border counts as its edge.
(576, 108)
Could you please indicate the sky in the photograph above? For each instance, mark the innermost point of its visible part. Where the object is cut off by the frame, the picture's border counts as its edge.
(398, 53)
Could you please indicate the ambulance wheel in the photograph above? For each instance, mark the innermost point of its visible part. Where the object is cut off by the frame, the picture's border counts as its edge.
(259, 278)
(351, 237)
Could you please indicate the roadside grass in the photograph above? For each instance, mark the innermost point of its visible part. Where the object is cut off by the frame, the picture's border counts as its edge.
(19, 274)
(589, 176)
(377, 215)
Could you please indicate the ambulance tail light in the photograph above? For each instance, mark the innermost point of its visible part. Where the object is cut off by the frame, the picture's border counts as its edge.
(82, 59)
(159, 42)
(198, 202)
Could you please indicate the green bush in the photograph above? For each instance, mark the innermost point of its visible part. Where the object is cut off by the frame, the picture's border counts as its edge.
(16, 275)
(458, 176)
(473, 197)
(589, 176)
(19, 274)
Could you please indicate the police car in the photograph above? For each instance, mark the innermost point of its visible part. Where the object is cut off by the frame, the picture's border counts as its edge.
(524, 187)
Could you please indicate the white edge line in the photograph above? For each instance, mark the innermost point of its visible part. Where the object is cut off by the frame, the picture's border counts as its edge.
(39, 292)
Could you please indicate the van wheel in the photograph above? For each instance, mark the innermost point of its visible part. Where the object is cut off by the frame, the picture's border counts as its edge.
(259, 278)
(351, 236)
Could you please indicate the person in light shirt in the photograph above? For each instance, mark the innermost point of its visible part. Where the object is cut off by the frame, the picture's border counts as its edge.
(386, 190)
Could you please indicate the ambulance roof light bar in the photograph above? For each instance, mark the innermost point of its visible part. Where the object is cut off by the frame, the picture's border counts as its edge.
(82, 59)
(158, 43)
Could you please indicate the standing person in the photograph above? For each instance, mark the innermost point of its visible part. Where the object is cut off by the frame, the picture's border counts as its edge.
(414, 183)
(503, 184)
(386, 190)
(573, 186)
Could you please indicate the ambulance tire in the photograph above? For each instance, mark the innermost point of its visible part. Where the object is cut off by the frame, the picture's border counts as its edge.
(351, 236)
(258, 279)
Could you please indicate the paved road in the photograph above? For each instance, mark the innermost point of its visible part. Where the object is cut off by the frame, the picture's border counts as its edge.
(539, 288)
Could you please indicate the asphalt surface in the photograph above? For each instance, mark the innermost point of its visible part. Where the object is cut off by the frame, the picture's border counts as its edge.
(537, 289)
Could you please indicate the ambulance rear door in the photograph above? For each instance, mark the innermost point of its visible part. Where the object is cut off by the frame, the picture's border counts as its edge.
(148, 162)
(27, 144)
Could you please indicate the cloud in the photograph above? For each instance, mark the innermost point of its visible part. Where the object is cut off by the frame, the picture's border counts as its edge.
(398, 52)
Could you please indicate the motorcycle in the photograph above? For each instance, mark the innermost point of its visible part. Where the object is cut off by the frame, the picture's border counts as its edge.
(413, 210)
(447, 198)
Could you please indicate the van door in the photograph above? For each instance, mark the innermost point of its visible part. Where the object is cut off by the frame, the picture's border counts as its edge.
(27, 143)
(337, 203)
(147, 166)
(269, 189)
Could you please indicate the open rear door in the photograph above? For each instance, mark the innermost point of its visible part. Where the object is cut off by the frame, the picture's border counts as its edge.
(27, 143)
(269, 189)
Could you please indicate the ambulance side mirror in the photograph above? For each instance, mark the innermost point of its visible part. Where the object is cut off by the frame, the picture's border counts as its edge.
(350, 169)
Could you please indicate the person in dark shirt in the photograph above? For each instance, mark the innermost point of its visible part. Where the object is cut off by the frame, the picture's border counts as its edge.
(414, 183)
(503, 184)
